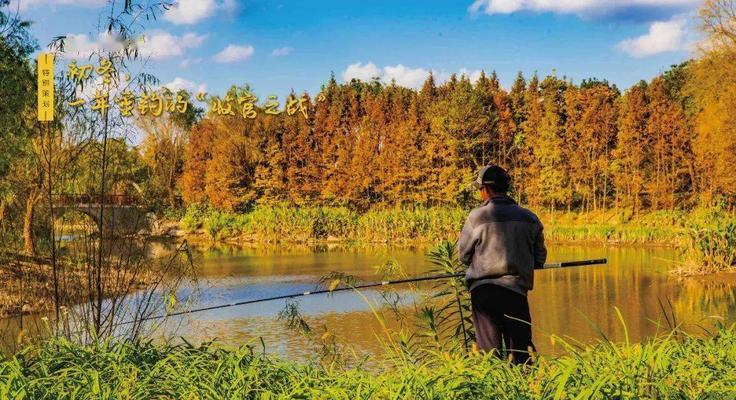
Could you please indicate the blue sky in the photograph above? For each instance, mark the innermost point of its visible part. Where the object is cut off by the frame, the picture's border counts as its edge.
(276, 46)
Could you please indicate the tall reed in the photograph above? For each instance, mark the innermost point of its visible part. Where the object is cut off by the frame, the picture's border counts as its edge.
(288, 223)
(666, 367)
(711, 245)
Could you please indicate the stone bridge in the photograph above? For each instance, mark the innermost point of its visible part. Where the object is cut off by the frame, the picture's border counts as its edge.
(122, 214)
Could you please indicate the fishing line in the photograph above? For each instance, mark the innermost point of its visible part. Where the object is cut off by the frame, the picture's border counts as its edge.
(344, 288)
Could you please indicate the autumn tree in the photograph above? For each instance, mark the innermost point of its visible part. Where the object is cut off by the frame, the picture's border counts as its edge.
(589, 138)
(549, 181)
(270, 181)
(667, 128)
(337, 135)
(373, 144)
(164, 142)
(196, 156)
(520, 153)
(368, 165)
(632, 153)
(712, 85)
(301, 152)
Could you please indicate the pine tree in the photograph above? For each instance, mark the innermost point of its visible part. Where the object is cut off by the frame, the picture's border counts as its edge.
(270, 180)
(590, 135)
(550, 182)
(668, 129)
(632, 154)
(521, 155)
(368, 166)
(300, 152)
(198, 152)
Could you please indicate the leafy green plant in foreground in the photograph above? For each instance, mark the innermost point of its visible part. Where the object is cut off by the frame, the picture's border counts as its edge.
(664, 367)
(428, 365)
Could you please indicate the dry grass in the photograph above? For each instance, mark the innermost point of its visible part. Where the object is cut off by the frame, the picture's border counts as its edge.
(28, 284)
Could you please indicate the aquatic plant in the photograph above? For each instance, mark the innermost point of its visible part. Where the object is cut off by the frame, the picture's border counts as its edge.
(712, 243)
(287, 223)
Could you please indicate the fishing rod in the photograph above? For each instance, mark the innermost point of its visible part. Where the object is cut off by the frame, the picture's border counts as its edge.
(344, 288)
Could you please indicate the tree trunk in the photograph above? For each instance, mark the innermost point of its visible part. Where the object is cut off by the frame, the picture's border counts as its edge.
(28, 244)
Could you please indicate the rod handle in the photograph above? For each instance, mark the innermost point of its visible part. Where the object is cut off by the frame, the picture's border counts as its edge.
(575, 263)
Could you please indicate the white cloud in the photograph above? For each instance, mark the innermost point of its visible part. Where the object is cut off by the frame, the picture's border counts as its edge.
(663, 36)
(79, 46)
(361, 72)
(23, 5)
(401, 74)
(159, 45)
(282, 51)
(233, 53)
(156, 45)
(405, 76)
(188, 12)
(577, 7)
(184, 84)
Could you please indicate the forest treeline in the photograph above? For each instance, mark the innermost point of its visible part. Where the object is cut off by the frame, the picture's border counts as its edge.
(663, 144)
(669, 143)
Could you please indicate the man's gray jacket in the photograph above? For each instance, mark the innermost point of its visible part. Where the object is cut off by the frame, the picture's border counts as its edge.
(502, 244)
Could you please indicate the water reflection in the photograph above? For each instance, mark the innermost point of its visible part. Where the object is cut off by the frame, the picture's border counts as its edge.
(574, 302)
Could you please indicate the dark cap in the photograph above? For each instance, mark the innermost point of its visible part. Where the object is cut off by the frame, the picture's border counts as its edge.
(495, 177)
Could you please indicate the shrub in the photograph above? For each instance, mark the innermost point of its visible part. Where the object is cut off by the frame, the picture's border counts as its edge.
(712, 243)
(194, 217)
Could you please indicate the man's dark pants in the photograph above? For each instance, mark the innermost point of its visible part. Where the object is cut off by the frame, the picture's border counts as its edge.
(501, 316)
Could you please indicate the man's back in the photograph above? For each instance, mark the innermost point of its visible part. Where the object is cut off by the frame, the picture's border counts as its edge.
(502, 243)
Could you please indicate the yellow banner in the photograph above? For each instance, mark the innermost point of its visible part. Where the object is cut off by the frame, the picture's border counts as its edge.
(45, 87)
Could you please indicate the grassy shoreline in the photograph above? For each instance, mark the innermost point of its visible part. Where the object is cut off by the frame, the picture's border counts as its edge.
(28, 288)
(706, 237)
(675, 365)
(280, 223)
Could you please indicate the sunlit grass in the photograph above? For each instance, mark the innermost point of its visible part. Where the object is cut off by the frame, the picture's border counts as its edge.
(434, 362)
(284, 223)
(617, 226)
(674, 366)
(422, 224)
(707, 235)
(711, 244)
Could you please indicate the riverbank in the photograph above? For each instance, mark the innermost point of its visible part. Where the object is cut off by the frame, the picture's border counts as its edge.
(27, 284)
(676, 365)
(705, 236)
(417, 225)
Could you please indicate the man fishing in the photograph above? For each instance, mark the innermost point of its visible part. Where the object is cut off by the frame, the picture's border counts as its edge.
(502, 243)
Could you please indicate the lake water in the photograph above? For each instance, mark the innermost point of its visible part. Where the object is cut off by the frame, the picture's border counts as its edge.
(578, 302)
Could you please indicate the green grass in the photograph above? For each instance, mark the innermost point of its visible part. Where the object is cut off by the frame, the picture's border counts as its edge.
(711, 244)
(706, 235)
(432, 363)
(284, 223)
(676, 366)
(616, 226)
